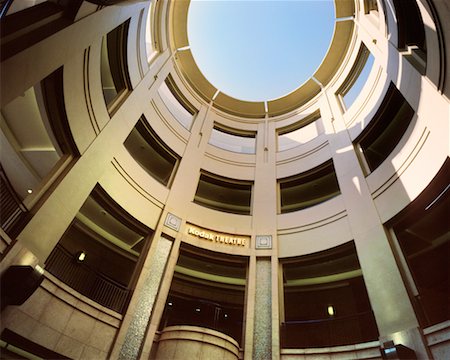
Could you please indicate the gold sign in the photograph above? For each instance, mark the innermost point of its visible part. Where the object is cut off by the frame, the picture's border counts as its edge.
(220, 238)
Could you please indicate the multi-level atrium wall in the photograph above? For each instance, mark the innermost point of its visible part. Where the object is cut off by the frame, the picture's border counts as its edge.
(145, 214)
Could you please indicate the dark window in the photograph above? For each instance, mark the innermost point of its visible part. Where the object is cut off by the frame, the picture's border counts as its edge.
(114, 67)
(321, 311)
(195, 299)
(386, 128)
(114, 246)
(309, 188)
(423, 232)
(224, 194)
(151, 152)
(409, 23)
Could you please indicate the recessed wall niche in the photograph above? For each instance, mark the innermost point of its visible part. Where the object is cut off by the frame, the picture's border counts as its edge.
(151, 152)
(309, 188)
(114, 66)
(385, 130)
(325, 300)
(102, 252)
(224, 194)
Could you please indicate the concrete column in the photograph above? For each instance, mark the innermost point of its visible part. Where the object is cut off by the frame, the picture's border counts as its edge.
(135, 331)
(264, 216)
(164, 288)
(188, 172)
(388, 295)
(250, 309)
(263, 326)
(134, 327)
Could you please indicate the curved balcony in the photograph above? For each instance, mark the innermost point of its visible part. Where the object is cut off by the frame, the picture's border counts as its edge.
(178, 341)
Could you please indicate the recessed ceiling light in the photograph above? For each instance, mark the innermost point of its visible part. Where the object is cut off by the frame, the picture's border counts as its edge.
(39, 269)
(29, 191)
(81, 256)
(197, 309)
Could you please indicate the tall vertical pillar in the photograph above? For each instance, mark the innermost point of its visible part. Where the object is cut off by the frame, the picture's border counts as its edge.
(136, 329)
(263, 327)
(262, 301)
(130, 340)
(141, 322)
(388, 295)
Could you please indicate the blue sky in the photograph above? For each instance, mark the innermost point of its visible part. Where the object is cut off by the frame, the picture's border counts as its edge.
(259, 50)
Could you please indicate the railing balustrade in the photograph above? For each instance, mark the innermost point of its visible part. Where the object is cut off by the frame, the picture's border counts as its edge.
(87, 281)
(333, 331)
(12, 212)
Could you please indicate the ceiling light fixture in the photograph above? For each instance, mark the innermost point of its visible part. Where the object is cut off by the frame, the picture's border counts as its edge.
(81, 256)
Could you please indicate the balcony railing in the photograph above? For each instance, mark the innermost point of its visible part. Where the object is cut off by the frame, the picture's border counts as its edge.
(334, 331)
(13, 213)
(87, 281)
(203, 313)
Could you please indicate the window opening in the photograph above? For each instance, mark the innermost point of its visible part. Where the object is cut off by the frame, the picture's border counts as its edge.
(357, 78)
(152, 153)
(291, 137)
(233, 140)
(183, 113)
(385, 130)
(114, 244)
(114, 67)
(207, 290)
(224, 194)
(423, 233)
(325, 300)
(308, 189)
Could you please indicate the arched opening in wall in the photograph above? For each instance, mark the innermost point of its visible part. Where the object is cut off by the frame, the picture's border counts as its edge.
(325, 300)
(371, 11)
(207, 290)
(155, 157)
(384, 131)
(114, 67)
(181, 109)
(308, 189)
(411, 33)
(102, 252)
(370, 5)
(351, 88)
(233, 140)
(37, 146)
(299, 133)
(224, 194)
(24, 23)
(423, 232)
(151, 31)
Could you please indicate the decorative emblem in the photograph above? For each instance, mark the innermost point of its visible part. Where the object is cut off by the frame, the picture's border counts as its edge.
(173, 222)
(264, 241)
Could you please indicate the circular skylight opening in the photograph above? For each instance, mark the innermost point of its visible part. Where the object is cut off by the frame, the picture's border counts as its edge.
(259, 50)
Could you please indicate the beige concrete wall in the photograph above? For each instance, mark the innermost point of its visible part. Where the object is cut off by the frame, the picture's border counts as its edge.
(438, 339)
(176, 342)
(64, 321)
